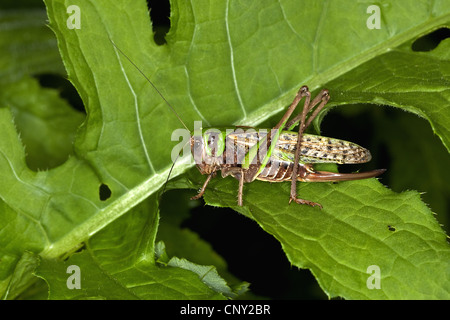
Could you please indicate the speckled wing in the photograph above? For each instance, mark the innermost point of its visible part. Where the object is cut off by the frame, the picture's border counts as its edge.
(319, 149)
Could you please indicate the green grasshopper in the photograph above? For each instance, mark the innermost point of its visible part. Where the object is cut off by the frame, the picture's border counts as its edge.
(284, 155)
(289, 156)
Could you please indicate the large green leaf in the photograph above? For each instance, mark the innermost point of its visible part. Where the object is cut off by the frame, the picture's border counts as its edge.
(119, 263)
(390, 80)
(227, 63)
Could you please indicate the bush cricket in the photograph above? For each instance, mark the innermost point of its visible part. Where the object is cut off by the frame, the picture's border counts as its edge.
(284, 155)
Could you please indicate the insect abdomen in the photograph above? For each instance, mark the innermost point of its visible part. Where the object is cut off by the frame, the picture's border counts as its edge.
(276, 171)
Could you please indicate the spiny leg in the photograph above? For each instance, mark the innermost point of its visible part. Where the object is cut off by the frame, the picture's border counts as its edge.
(205, 184)
(323, 97)
(241, 188)
(303, 92)
(239, 174)
(250, 175)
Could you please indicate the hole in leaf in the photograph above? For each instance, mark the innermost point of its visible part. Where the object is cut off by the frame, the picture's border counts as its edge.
(391, 228)
(431, 40)
(66, 90)
(159, 14)
(104, 192)
(81, 247)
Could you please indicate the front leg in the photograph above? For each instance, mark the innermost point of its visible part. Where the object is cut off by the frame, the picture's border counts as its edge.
(205, 184)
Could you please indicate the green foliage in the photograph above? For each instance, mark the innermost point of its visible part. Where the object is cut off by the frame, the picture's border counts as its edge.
(224, 63)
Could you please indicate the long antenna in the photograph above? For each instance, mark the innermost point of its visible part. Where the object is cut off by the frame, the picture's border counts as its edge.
(149, 81)
(171, 168)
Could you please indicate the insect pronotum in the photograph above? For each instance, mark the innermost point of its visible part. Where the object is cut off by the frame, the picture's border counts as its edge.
(282, 155)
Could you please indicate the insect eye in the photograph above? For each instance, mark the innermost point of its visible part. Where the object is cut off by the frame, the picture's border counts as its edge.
(211, 141)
